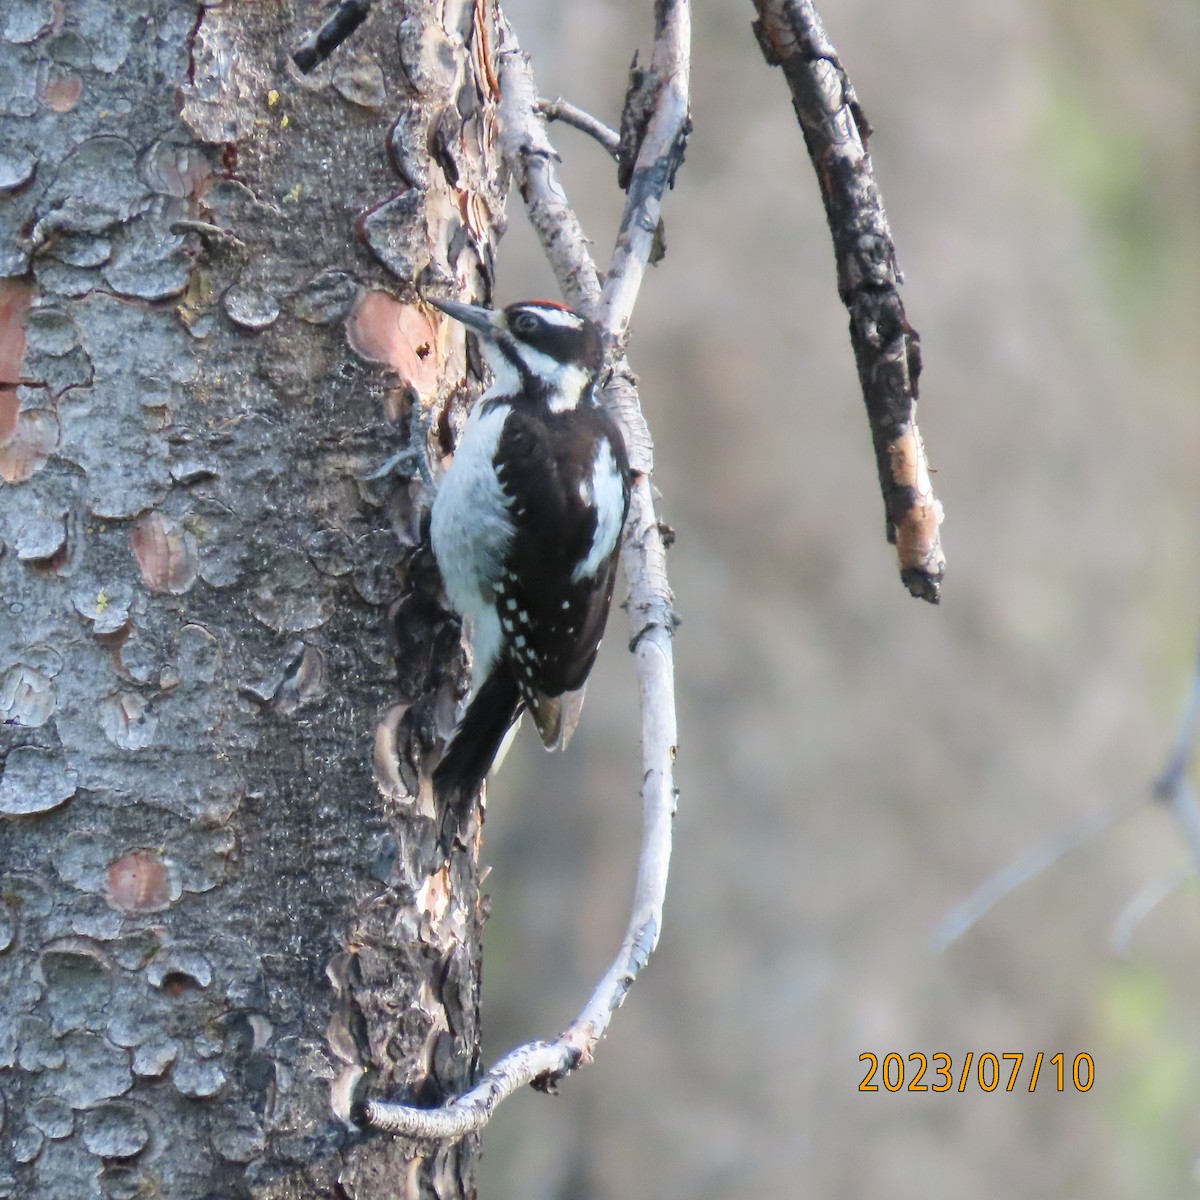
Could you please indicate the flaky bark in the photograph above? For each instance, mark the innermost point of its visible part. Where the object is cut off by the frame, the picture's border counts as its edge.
(210, 924)
(657, 122)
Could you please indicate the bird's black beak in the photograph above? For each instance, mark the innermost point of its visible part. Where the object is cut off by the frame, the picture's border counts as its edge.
(482, 320)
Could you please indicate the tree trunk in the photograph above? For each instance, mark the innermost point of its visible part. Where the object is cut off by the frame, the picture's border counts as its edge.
(211, 924)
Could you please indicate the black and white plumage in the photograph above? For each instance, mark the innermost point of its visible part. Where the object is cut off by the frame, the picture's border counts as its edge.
(525, 528)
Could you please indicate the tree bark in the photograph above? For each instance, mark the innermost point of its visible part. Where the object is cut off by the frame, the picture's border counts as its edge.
(211, 923)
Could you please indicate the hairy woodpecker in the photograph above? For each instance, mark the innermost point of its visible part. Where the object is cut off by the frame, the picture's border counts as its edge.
(525, 527)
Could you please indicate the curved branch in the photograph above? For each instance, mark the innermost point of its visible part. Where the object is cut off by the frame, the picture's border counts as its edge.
(568, 114)
(886, 346)
(652, 618)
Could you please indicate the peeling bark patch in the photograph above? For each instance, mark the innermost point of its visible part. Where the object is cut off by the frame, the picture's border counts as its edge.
(295, 603)
(52, 1117)
(78, 986)
(361, 82)
(199, 655)
(153, 1059)
(115, 430)
(198, 1078)
(107, 609)
(397, 233)
(10, 405)
(166, 553)
(34, 781)
(95, 1071)
(96, 188)
(331, 551)
(218, 101)
(250, 307)
(115, 1131)
(178, 169)
(434, 897)
(149, 261)
(431, 62)
(401, 336)
(61, 91)
(127, 721)
(26, 450)
(15, 297)
(27, 1144)
(138, 882)
(917, 537)
(28, 20)
(17, 165)
(26, 697)
(179, 971)
(303, 683)
(40, 535)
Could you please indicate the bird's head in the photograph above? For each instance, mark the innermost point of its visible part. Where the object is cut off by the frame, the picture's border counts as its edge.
(536, 348)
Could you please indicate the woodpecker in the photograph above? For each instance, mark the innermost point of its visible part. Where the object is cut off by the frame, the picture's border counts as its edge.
(525, 527)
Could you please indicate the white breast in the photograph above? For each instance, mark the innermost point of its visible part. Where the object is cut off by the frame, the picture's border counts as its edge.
(471, 530)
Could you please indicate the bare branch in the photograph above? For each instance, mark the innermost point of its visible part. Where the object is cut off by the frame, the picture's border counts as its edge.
(530, 157)
(652, 618)
(318, 46)
(1143, 903)
(1028, 866)
(568, 114)
(886, 347)
(1172, 787)
(665, 136)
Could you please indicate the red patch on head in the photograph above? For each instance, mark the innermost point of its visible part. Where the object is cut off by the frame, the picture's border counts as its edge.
(550, 304)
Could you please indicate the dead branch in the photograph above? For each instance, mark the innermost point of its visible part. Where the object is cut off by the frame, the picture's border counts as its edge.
(886, 347)
(319, 45)
(531, 158)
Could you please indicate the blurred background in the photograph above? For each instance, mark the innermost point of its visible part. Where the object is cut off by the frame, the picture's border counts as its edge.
(853, 762)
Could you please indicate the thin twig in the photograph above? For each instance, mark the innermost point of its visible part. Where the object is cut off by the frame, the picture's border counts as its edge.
(318, 46)
(1143, 903)
(531, 159)
(886, 347)
(1172, 786)
(568, 114)
(658, 158)
(1031, 864)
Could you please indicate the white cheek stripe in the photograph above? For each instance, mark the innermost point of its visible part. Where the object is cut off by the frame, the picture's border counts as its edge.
(562, 317)
(565, 382)
(609, 496)
(506, 379)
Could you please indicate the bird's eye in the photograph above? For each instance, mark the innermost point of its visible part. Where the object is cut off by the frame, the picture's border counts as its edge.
(525, 322)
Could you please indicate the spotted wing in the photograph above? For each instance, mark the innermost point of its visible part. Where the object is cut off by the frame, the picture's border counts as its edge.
(563, 477)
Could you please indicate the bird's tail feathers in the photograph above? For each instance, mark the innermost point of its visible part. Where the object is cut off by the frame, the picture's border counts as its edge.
(556, 717)
(476, 740)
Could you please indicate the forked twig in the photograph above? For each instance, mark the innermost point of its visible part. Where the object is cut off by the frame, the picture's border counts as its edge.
(1172, 787)
(1031, 864)
(886, 347)
(530, 157)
